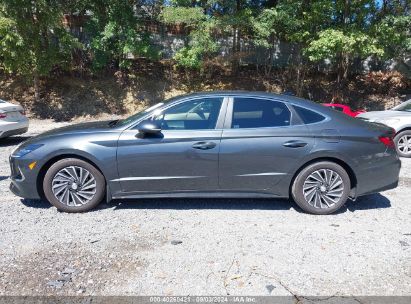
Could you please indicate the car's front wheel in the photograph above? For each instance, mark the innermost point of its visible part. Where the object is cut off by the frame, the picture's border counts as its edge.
(73, 185)
(403, 143)
(321, 188)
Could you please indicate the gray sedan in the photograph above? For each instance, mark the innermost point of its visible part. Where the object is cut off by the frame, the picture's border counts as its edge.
(220, 144)
(398, 118)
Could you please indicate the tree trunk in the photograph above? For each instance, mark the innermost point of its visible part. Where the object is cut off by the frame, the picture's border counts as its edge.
(234, 62)
(236, 40)
(301, 71)
(344, 56)
(299, 81)
(36, 83)
(346, 66)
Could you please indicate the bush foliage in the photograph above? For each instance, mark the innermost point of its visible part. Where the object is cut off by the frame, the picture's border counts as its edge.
(34, 39)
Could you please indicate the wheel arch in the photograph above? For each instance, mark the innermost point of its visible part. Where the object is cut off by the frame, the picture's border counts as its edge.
(52, 160)
(345, 165)
(408, 128)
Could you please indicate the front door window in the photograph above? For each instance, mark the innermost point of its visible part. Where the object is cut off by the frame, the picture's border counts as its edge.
(196, 114)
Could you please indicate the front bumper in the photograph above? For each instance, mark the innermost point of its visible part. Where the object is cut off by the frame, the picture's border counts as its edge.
(23, 180)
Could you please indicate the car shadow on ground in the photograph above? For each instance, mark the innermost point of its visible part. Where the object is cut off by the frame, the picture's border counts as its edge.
(12, 141)
(374, 201)
(369, 202)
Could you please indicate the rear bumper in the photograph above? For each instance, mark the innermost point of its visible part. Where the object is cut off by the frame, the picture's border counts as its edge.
(13, 128)
(14, 132)
(381, 177)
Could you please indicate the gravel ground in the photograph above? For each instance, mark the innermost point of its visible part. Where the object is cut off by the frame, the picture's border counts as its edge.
(204, 246)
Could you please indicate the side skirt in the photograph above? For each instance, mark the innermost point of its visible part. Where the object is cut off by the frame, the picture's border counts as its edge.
(194, 194)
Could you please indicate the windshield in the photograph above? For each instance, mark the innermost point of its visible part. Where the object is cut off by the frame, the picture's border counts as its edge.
(138, 115)
(405, 106)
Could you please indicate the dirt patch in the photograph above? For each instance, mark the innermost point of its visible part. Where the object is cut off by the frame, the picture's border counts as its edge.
(73, 269)
(405, 182)
(69, 97)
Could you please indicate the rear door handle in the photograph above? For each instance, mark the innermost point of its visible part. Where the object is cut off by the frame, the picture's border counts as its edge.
(294, 144)
(204, 145)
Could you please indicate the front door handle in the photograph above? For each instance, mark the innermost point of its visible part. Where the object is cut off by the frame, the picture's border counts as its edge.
(204, 145)
(294, 144)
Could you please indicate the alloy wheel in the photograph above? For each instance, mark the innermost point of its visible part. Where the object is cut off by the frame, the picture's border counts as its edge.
(323, 188)
(74, 186)
(404, 144)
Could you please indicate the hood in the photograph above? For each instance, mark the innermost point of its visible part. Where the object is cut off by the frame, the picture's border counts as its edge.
(384, 114)
(87, 127)
(81, 128)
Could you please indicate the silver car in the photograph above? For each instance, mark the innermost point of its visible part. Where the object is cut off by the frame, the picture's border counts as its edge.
(12, 119)
(398, 118)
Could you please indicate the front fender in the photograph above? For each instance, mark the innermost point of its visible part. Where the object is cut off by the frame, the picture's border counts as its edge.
(100, 149)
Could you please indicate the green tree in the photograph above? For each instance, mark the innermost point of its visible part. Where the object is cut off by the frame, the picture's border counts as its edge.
(342, 47)
(201, 42)
(116, 31)
(393, 30)
(295, 22)
(349, 36)
(33, 39)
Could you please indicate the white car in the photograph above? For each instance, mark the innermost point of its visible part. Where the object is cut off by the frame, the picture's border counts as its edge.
(12, 119)
(398, 118)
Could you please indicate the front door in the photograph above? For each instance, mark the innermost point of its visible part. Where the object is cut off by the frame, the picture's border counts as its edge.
(183, 157)
(260, 145)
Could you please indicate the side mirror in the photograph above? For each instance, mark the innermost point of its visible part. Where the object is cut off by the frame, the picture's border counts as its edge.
(149, 127)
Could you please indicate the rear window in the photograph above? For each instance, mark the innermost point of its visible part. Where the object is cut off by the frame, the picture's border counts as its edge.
(308, 116)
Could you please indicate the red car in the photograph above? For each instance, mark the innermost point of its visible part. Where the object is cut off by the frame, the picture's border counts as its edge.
(343, 108)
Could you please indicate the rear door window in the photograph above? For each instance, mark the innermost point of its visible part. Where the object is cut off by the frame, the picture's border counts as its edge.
(259, 113)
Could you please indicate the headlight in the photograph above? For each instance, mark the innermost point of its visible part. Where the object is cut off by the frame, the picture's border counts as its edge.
(26, 150)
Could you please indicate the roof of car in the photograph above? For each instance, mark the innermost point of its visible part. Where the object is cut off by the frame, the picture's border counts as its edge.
(284, 97)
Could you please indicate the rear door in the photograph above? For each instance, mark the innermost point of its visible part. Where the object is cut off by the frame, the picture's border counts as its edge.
(260, 144)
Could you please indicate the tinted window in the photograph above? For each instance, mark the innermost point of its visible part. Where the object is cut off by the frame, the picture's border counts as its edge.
(308, 116)
(405, 106)
(191, 115)
(259, 113)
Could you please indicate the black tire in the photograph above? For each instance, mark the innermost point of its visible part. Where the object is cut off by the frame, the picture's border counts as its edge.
(321, 208)
(100, 185)
(396, 141)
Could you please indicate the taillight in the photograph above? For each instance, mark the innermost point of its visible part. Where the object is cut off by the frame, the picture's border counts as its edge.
(22, 112)
(3, 115)
(387, 141)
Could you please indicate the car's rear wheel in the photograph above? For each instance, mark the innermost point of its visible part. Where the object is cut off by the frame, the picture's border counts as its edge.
(321, 188)
(403, 143)
(73, 185)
